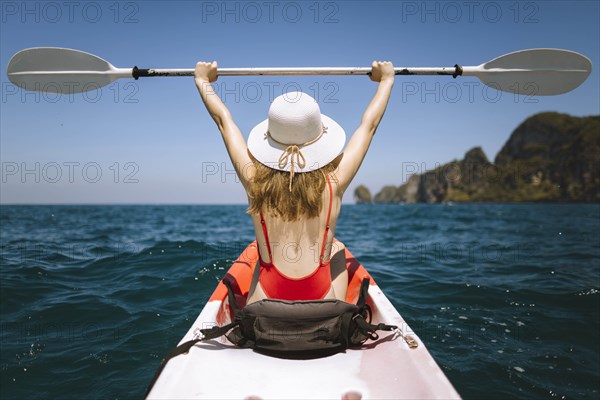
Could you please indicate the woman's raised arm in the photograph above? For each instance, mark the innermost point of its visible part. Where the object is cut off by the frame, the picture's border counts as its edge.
(356, 149)
(204, 74)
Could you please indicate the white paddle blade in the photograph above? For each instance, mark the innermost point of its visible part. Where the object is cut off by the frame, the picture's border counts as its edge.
(534, 72)
(58, 70)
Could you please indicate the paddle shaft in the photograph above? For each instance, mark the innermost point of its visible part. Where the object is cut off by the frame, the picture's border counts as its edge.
(277, 71)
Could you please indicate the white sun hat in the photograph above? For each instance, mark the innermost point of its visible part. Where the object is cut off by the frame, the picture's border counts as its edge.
(296, 137)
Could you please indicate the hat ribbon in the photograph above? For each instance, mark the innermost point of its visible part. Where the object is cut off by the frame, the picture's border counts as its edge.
(293, 154)
(289, 153)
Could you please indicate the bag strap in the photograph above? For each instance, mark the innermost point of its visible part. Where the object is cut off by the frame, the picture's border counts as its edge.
(362, 294)
(364, 311)
(207, 334)
(232, 300)
(184, 348)
(369, 330)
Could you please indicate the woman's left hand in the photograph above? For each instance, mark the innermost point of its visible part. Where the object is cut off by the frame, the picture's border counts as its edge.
(206, 71)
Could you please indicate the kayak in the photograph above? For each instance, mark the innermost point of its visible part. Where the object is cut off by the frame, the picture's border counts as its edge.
(396, 365)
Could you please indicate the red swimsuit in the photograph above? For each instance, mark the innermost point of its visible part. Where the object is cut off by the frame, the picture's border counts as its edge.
(276, 285)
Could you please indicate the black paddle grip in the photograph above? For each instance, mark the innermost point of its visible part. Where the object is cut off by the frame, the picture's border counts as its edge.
(137, 72)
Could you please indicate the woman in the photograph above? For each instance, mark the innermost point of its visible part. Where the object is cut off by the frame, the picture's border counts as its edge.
(295, 177)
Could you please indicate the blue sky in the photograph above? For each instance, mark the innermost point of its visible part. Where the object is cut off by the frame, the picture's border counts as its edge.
(152, 141)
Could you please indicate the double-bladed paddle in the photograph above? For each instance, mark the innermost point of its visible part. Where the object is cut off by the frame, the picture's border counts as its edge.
(539, 72)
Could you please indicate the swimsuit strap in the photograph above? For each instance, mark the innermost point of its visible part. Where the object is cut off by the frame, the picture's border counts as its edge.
(326, 223)
(264, 228)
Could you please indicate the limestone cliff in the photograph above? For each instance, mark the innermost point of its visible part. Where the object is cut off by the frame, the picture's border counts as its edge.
(549, 157)
(362, 195)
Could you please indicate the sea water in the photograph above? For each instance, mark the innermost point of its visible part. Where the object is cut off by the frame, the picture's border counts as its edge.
(505, 297)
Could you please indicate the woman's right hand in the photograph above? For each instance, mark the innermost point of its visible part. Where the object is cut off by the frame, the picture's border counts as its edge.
(382, 70)
(206, 71)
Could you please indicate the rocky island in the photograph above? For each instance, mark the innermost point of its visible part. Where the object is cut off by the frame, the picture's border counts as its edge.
(550, 157)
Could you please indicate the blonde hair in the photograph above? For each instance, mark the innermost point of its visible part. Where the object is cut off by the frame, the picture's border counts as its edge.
(269, 190)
